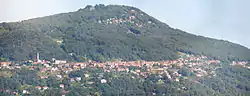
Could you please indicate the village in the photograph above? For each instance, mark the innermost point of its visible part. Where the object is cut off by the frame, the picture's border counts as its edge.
(127, 18)
(200, 66)
(130, 17)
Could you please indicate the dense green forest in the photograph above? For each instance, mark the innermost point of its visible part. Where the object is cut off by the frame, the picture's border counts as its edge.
(106, 32)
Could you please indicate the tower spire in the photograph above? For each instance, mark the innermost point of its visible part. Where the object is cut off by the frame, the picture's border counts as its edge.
(38, 57)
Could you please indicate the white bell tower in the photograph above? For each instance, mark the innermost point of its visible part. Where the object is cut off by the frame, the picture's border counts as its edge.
(38, 57)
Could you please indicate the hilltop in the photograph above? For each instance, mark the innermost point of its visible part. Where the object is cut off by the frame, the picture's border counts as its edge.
(107, 32)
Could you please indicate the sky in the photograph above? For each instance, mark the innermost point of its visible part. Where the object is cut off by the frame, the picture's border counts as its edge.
(221, 19)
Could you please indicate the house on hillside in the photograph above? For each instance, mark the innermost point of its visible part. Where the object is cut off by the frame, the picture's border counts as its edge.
(45, 87)
(25, 92)
(38, 87)
(61, 86)
(132, 12)
(103, 81)
(157, 70)
(59, 42)
(60, 61)
(5, 64)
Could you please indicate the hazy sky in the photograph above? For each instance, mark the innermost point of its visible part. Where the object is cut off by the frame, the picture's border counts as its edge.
(222, 19)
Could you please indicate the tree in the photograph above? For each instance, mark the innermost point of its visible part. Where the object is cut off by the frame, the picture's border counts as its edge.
(52, 92)
(185, 72)
(52, 82)
(3, 59)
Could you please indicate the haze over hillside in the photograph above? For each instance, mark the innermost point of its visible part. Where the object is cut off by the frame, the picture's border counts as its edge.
(104, 32)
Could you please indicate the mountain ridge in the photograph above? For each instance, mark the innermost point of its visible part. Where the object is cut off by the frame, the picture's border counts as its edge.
(104, 32)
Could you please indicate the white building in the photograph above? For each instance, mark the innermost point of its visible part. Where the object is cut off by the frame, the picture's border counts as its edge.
(45, 87)
(60, 61)
(86, 75)
(59, 76)
(78, 78)
(25, 92)
(103, 81)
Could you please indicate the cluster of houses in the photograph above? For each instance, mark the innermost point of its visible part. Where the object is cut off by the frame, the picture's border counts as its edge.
(130, 17)
(42, 87)
(8, 91)
(63, 66)
(241, 63)
(194, 63)
(5, 64)
(200, 65)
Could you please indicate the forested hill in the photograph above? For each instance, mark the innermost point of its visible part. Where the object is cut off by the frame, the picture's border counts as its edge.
(105, 32)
